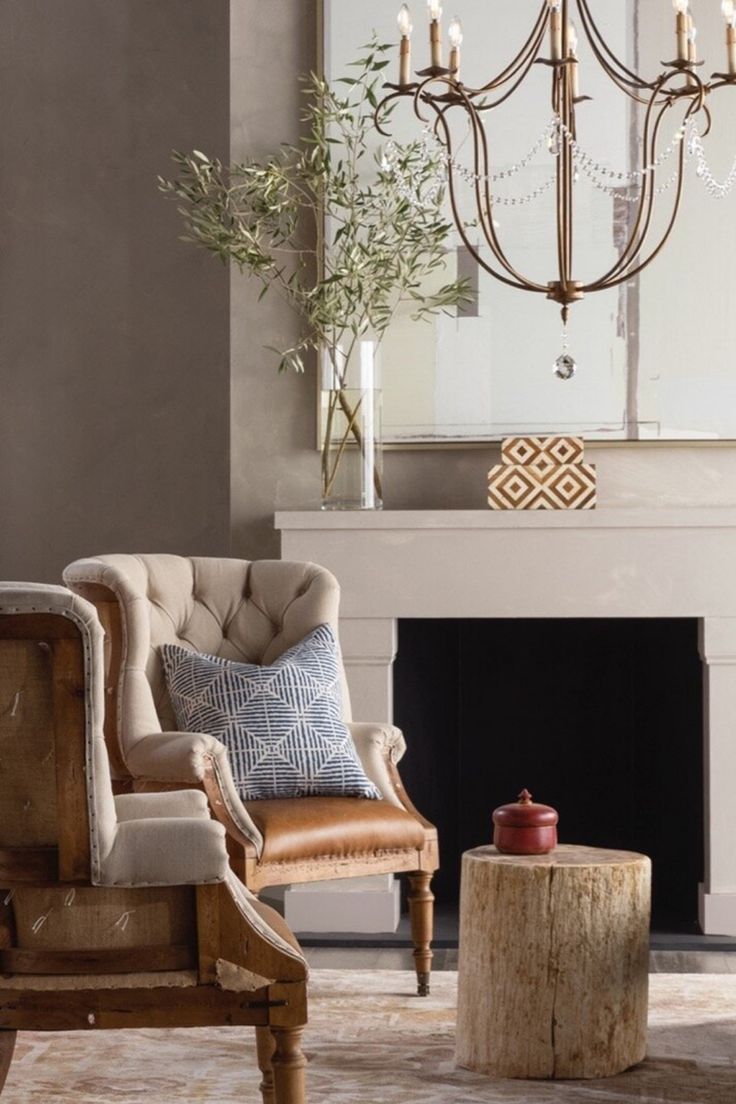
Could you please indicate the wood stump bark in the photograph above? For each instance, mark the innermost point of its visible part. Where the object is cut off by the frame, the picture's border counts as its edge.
(553, 963)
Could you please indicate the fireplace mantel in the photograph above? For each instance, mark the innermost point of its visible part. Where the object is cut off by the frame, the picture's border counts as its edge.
(615, 562)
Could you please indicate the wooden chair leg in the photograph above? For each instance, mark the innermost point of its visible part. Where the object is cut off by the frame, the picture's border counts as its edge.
(265, 1044)
(289, 1064)
(421, 916)
(7, 1046)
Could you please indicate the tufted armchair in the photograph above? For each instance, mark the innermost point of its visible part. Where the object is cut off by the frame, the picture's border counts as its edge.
(251, 612)
(118, 911)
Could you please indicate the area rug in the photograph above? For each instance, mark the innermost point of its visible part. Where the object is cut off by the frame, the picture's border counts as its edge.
(370, 1041)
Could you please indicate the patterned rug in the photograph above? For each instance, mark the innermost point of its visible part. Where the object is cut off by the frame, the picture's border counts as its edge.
(371, 1042)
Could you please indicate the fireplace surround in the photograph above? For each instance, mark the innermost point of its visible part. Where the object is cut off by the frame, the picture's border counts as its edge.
(669, 562)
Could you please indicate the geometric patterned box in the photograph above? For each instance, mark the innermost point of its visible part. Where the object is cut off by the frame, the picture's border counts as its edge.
(542, 452)
(549, 487)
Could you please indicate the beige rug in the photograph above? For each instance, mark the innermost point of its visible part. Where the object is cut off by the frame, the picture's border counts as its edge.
(380, 1045)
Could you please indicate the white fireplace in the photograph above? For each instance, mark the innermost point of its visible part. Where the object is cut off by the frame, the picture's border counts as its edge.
(615, 562)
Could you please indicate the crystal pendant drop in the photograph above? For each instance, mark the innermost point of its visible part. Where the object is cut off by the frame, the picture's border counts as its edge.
(564, 367)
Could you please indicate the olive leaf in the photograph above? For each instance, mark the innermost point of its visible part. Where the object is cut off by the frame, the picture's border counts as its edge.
(344, 245)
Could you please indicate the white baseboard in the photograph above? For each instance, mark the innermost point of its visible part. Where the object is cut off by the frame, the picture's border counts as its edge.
(363, 905)
(717, 913)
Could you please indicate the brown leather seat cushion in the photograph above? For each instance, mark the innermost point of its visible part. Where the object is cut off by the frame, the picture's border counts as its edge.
(309, 827)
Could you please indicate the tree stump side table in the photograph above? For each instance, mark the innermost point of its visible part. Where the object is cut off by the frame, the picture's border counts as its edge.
(553, 964)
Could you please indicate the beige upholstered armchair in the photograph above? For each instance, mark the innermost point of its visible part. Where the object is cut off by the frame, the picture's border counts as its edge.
(251, 612)
(118, 911)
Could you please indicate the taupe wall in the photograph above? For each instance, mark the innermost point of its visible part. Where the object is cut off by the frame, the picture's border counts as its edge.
(138, 408)
(274, 462)
(114, 336)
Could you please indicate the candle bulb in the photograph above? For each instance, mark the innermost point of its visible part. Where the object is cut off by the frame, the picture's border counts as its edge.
(729, 11)
(435, 37)
(405, 29)
(692, 50)
(455, 34)
(572, 49)
(555, 30)
(681, 26)
(692, 46)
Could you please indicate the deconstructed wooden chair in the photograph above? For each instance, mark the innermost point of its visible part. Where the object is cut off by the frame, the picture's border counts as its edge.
(118, 912)
(250, 611)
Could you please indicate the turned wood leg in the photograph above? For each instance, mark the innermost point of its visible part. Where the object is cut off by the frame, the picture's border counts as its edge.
(7, 1046)
(265, 1044)
(421, 913)
(288, 1064)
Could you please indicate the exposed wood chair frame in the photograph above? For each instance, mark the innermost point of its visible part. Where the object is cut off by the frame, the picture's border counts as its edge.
(277, 1008)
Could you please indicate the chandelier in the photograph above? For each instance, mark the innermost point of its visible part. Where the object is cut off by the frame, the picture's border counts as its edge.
(439, 95)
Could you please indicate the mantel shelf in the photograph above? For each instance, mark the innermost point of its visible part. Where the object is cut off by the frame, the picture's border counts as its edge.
(624, 517)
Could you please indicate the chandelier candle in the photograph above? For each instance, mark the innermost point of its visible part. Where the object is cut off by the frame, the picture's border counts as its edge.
(435, 33)
(555, 30)
(572, 51)
(681, 26)
(405, 29)
(455, 34)
(729, 13)
(692, 50)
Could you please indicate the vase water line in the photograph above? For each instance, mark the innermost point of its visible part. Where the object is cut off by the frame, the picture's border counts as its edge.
(351, 468)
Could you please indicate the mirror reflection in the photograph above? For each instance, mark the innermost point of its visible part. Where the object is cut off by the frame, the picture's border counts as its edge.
(654, 355)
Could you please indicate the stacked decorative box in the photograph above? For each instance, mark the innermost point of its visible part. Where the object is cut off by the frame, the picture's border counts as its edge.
(542, 473)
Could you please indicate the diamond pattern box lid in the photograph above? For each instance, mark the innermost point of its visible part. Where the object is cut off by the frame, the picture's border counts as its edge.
(542, 452)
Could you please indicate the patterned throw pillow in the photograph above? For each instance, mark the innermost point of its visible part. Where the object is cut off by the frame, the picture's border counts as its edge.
(282, 724)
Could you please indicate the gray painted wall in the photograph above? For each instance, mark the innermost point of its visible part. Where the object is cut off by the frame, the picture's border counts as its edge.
(114, 336)
(138, 409)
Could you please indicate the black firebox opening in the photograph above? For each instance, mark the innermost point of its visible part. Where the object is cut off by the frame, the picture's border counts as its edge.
(600, 718)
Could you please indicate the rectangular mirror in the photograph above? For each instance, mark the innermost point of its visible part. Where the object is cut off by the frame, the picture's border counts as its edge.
(655, 355)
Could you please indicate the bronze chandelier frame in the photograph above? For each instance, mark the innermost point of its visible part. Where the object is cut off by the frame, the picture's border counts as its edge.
(438, 92)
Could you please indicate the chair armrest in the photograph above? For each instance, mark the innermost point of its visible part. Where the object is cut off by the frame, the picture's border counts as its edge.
(166, 851)
(194, 758)
(176, 803)
(379, 746)
(172, 756)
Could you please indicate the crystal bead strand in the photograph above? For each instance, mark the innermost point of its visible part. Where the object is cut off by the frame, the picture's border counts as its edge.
(716, 189)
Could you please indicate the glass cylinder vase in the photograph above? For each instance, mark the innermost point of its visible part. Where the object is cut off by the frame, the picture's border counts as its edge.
(352, 457)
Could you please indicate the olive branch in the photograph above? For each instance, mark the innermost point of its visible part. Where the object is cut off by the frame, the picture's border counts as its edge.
(345, 239)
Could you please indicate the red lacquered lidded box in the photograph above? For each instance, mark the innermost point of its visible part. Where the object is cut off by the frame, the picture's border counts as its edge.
(525, 828)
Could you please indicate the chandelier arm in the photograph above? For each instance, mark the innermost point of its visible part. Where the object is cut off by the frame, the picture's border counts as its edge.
(530, 47)
(441, 125)
(645, 207)
(605, 54)
(483, 197)
(380, 109)
(630, 273)
(640, 230)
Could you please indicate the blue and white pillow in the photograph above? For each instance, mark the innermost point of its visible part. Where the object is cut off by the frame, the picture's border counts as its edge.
(282, 724)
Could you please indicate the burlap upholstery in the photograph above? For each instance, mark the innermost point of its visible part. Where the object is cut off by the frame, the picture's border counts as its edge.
(27, 775)
(101, 918)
